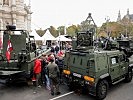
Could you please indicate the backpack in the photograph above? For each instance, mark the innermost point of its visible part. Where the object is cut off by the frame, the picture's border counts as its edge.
(60, 63)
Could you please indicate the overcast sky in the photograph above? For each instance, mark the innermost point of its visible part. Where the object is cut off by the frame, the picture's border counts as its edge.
(48, 13)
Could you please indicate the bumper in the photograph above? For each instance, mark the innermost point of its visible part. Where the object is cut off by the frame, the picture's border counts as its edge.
(7, 77)
(80, 83)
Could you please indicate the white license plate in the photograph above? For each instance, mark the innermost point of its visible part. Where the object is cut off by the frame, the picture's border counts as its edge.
(77, 75)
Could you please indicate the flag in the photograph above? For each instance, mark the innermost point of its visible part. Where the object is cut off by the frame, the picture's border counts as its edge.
(9, 49)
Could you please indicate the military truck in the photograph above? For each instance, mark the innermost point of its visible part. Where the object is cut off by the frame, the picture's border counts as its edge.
(22, 56)
(92, 66)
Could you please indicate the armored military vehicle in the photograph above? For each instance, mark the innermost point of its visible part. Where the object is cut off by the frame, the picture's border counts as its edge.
(92, 66)
(18, 63)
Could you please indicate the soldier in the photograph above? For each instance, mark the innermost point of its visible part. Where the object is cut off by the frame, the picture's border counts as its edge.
(54, 77)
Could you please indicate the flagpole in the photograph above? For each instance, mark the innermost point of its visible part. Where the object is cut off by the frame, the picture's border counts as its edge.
(59, 41)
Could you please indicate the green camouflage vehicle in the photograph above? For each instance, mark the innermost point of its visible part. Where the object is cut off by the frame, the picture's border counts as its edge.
(92, 66)
(22, 56)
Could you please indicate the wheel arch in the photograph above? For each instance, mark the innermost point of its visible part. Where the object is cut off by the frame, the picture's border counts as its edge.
(103, 81)
(106, 77)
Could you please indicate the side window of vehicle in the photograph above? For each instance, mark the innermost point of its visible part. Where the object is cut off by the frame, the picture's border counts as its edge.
(114, 60)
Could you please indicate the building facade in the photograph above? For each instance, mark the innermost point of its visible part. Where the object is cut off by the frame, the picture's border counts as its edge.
(128, 17)
(14, 12)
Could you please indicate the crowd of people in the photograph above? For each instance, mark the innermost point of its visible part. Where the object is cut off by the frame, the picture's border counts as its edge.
(47, 71)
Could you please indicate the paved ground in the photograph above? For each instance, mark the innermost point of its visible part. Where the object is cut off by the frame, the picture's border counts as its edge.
(122, 91)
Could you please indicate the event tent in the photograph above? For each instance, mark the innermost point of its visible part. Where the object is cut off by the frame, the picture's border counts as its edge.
(36, 36)
(62, 38)
(48, 36)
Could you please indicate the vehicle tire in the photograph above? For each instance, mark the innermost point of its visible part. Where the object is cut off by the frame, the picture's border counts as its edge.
(128, 77)
(101, 90)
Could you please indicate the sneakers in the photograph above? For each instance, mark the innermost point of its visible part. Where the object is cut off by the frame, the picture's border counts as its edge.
(39, 86)
(48, 88)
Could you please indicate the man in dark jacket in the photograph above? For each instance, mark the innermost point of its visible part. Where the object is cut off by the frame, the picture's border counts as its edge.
(56, 49)
(44, 69)
(60, 63)
(54, 77)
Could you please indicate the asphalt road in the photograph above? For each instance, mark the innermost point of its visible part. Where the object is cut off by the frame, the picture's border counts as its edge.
(121, 91)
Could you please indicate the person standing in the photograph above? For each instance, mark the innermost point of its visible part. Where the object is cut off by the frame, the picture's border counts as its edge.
(37, 71)
(53, 48)
(43, 71)
(44, 75)
(60, 63)
(56, 49)
(53, 72)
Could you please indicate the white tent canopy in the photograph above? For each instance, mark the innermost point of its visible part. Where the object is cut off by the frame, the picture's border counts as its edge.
(48, 36)
(37, 37)
(62, 38)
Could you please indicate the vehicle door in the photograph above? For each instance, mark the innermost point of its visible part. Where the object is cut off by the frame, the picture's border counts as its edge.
(78, 63)
(114, 67)
(123, 64)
